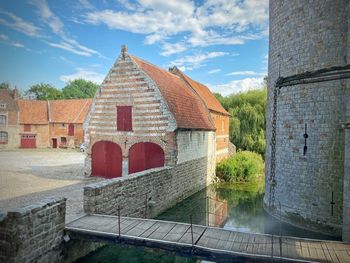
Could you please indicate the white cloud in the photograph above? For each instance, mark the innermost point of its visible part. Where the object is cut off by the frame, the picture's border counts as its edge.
(86, 74)
(195, 61)
(214, 22)
(236, 86)
(169, 49)
(213, 71)
(6, 40)
(57, 27)
(19, 24)
(86, 4)
(245, 73)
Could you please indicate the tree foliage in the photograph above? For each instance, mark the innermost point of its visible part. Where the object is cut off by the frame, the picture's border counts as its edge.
(4, 85)
(248, 119)
(44, 91)
(79, 89)
(76, 89)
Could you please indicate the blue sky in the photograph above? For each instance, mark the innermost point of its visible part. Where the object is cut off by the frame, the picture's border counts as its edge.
(221, 43)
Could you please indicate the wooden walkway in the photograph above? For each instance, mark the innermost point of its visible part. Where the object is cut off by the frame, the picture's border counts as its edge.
(207, 242)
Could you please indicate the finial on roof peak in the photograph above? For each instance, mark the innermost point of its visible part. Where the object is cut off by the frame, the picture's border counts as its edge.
(124, 50)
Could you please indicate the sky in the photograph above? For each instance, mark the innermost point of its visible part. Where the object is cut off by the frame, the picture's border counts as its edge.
(220, 43)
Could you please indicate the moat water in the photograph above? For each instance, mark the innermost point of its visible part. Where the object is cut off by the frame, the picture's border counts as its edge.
(236, 207)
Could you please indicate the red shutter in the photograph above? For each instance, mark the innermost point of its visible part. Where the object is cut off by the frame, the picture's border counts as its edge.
(71, 130)
(124, 118)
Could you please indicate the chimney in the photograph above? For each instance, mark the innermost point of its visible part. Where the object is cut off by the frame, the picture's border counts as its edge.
(15, 93)
(124, 51)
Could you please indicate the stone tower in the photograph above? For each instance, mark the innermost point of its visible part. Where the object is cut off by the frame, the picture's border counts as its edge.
(308, 130)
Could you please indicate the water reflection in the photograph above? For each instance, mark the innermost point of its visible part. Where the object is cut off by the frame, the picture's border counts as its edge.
(234, 207)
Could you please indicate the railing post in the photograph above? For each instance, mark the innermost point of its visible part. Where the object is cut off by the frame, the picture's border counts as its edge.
(146, 206)
(191, 230)
(208, 211)
(119, 222)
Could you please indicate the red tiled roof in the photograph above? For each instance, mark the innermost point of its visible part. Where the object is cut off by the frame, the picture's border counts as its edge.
(69, 111)
(203, 91)
(33, 112)
(188, 109)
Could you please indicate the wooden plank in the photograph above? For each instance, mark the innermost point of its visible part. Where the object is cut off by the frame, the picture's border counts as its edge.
(244, 242)
(140, 228)
(341, 250)
(276, 246)
(163, 229)
(226, 239)
(197, 232)
(250, 244)
(327, 253)
(291, 248)
(237, 242)
(319, 250)
(304, 249)
(176, 232)
(131, 223)
(210, 238)
(331, 252)
(260, 244)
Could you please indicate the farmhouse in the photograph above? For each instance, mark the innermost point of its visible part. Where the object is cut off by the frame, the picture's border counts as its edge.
(144, 117)
(8, 118)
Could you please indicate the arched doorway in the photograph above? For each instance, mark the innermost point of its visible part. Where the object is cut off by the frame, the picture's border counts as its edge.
(106, 159)
(145, 155)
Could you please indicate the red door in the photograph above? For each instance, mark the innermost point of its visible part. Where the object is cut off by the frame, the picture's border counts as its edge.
(54, 143)
(145, 155)
(28, 141)
(106, 159)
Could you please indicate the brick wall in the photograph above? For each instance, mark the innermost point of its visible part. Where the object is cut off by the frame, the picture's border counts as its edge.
(57, 130)
(222, 135)
(33, 233)
(304, 36)
(164, 188)
(41, 131)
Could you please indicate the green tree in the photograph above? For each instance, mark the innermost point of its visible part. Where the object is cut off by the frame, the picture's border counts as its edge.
(4, 85)
(79, 89)
(44, 91)
(248, 119)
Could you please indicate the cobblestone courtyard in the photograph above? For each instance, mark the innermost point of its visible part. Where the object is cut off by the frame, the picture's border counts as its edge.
(27, 176)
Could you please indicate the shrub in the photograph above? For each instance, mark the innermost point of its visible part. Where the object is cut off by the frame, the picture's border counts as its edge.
(244, 166)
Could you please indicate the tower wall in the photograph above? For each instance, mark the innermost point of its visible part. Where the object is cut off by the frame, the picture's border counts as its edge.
(306, 36)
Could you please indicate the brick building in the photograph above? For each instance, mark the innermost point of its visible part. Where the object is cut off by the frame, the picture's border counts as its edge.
(54, 123)
(66, 119)
(8, 119)
(33, 123)
(144, 117)
(220, 116)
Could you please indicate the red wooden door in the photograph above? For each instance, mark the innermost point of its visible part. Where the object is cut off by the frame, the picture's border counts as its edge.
(106, 159)
(71, 130)
(145, 155)
(28, 141)
(54, 143)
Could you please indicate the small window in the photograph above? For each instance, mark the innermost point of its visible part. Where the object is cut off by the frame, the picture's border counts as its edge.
(3, 105)
(63, 140)
(124, 119)
(3, 120)
(27, 127)
(63, 125)
(3, 137)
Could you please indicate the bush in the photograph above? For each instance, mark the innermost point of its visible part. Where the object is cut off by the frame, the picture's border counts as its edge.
(244, 166)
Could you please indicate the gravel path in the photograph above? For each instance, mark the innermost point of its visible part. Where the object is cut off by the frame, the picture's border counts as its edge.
(27, 176)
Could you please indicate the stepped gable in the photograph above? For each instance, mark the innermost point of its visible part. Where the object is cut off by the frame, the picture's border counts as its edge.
(33, 111)
(203, 91)
(186, 106)
(69, 111)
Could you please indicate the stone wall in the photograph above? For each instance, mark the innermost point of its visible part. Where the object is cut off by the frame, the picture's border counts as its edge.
(306, 36)
(33, 233)
(346, 201)
(161, 187)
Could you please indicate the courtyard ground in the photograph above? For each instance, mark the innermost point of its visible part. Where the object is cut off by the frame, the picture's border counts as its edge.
(27, 176)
